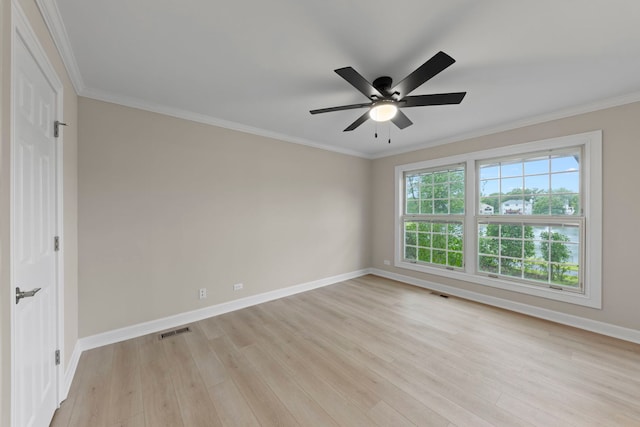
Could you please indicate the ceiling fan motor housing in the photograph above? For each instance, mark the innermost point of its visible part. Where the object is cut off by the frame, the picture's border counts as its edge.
(383, 84)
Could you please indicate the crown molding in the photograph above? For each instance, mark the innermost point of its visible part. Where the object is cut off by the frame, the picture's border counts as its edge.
(205, 119)
(53, 20)
(516, 124)
(210, 120)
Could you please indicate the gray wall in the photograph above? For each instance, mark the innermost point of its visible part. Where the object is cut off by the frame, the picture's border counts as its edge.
(168, 206)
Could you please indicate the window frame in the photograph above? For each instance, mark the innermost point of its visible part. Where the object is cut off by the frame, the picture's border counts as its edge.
(591, 201)
(551, 220)
(434, 218)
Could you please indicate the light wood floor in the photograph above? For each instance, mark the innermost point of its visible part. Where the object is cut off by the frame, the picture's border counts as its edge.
(366, 352)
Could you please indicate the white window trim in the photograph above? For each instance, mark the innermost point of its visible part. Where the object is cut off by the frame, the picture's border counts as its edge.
(592, 193)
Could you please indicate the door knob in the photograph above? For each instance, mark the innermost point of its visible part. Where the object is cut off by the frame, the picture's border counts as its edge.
(20, 294)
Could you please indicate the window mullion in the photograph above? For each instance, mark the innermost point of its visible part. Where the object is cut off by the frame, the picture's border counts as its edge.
(472, 200)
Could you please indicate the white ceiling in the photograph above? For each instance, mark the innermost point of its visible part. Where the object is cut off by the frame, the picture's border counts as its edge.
(260, 66)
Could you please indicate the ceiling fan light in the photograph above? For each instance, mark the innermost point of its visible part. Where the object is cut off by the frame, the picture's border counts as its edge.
(383, 111)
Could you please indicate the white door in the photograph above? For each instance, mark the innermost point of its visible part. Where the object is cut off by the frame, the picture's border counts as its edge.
(33, 210)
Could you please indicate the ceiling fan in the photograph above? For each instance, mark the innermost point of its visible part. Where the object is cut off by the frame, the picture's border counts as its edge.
(386, 101)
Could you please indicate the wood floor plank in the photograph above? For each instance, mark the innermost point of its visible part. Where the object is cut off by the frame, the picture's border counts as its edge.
(339, 406)
(135, 421)
(265, 404)
(211, 369)
(358, 387)
(491, 412)
(196, 407)
(386, 416)
(306, 411)
(410, 405)
(353, 380)
(126, 390)
(536, 416)
(238, 332)
(161, 408)
(91, 406)
(211, 327)
(365, 352)
(588, 403)
(438, 379)
(232, 408)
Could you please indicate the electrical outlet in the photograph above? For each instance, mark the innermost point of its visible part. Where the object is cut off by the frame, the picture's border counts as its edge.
(387, 262)
(238, 287)
(203, 293)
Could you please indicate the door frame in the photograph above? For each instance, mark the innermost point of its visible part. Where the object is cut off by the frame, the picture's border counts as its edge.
(22, 30)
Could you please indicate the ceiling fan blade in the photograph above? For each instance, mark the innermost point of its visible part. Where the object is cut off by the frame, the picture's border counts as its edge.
(434, 99)
(401, 120)
(433, 66)
(363, 118)
(356, 80)
(343, 107)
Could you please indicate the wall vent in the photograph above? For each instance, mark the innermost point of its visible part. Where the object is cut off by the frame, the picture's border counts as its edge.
(174, 332)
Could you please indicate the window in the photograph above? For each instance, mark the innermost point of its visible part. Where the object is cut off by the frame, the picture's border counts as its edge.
(433, 216)
(543, 189)
(526, 218)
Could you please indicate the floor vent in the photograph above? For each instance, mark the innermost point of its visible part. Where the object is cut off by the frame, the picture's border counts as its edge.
(440, 295)
(174, 332)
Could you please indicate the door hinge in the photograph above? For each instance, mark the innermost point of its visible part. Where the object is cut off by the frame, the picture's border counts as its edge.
(57, 357)
(56, 128)
(56, 243)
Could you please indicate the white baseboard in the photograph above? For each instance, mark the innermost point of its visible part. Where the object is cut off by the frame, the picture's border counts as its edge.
(158, 325)
(608, 329)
